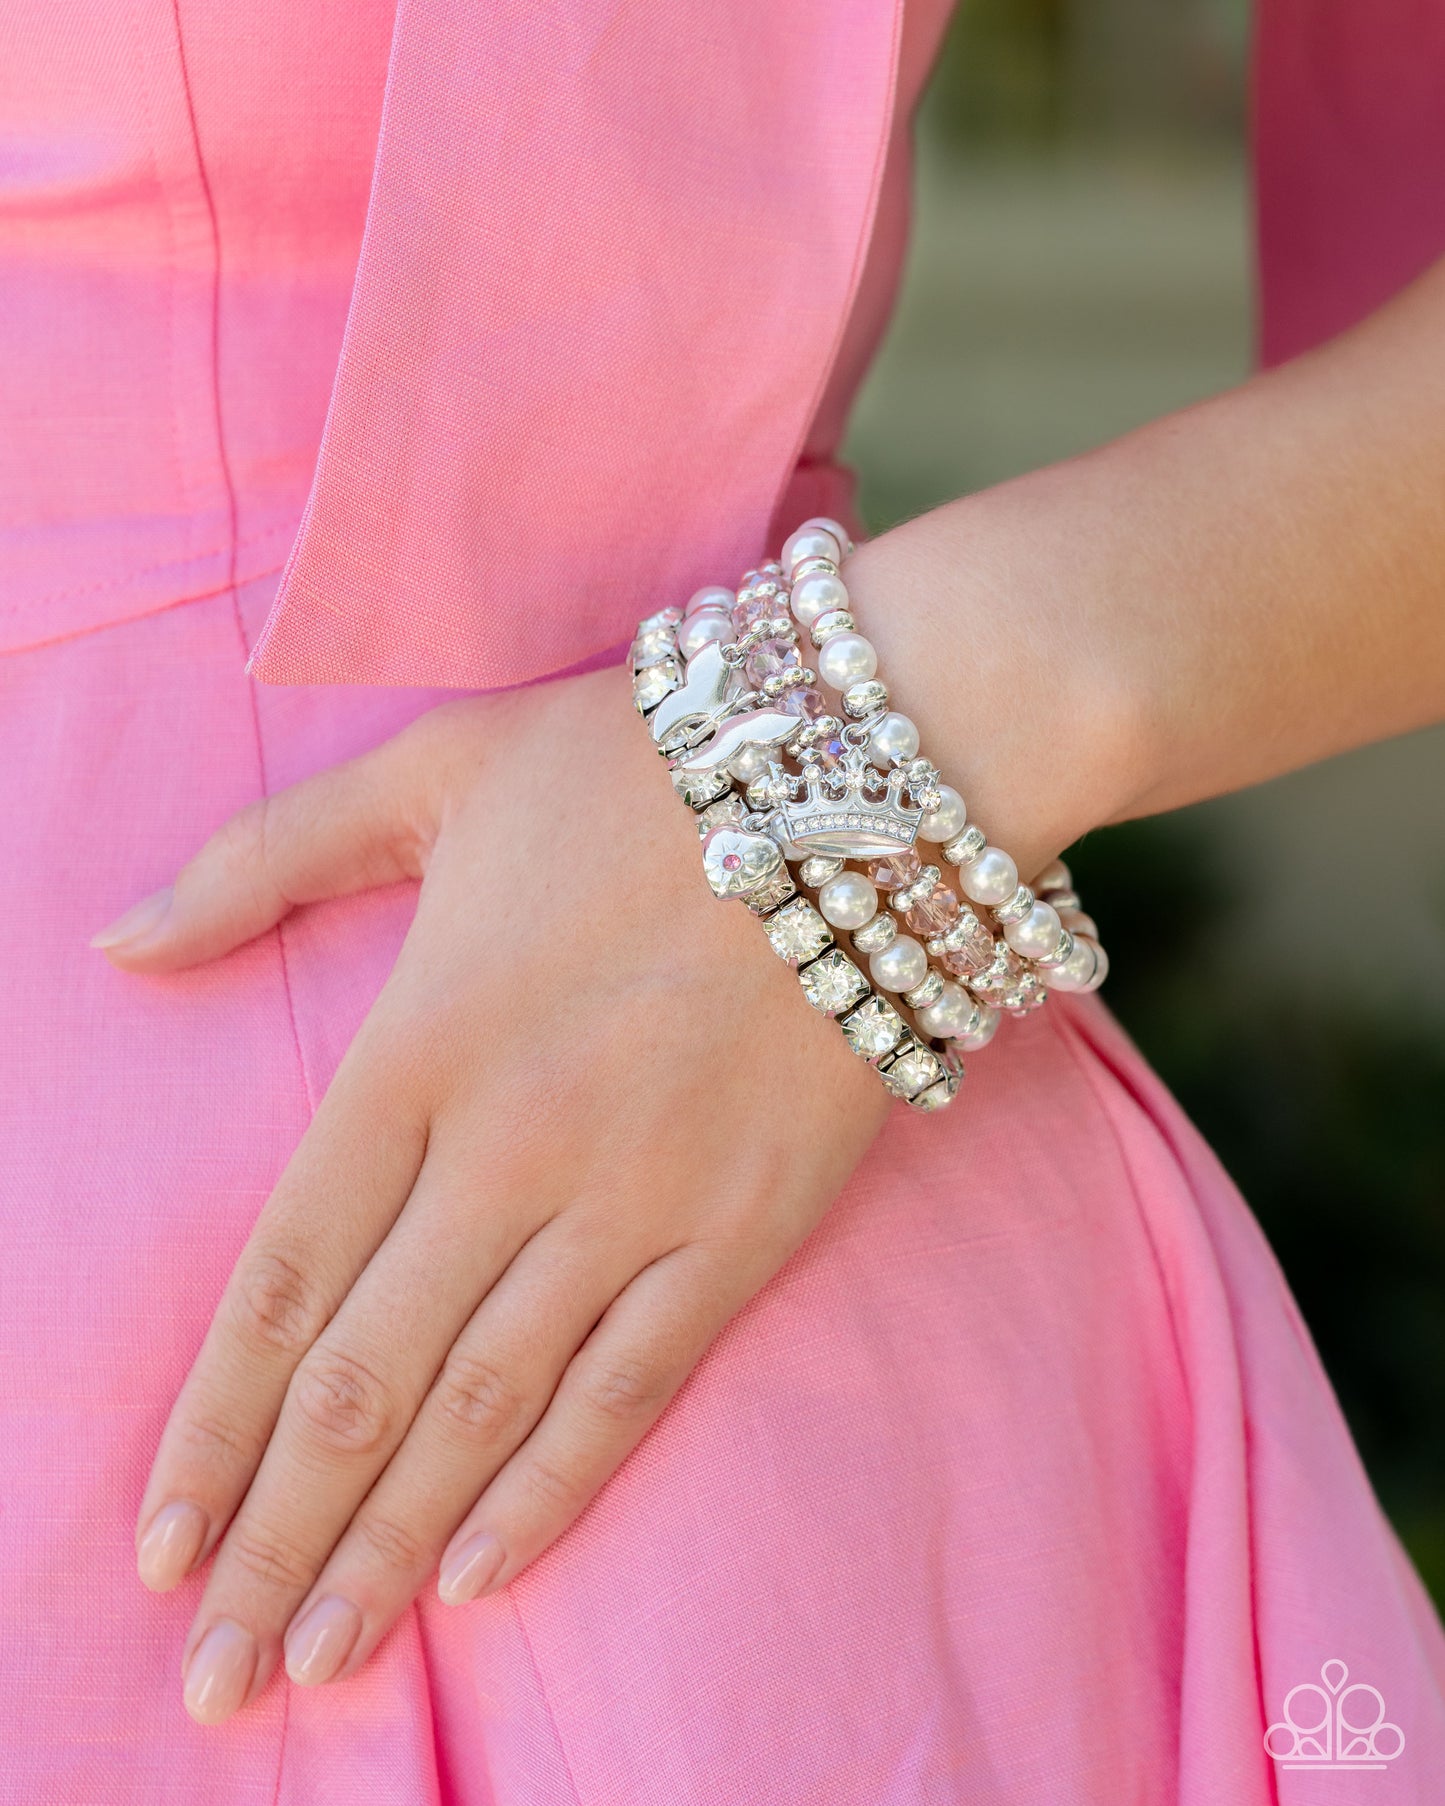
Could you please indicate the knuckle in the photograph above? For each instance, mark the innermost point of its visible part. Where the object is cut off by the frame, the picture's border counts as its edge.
(477, 1399)
(625, 1390)
(391, 1546)
(212, 1442)
(274, 1305)
(551, 1492)
(271, 1560)
(342, 1404)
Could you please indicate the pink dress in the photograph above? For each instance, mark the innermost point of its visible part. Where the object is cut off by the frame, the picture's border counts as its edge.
(1021, 1485)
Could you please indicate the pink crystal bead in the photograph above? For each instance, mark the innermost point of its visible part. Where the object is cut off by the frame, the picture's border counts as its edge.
(897, 870)
(961, 964)
(769, 659)
(935, 914)
(802, 700)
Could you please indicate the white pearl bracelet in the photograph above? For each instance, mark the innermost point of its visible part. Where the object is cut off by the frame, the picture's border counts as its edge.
(1041, 946)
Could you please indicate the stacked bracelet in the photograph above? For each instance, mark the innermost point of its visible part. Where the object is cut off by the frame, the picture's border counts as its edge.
(1038, 948)
(776, 780)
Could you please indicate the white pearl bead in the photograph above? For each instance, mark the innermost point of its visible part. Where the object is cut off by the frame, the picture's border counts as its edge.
(984, 1033)
(1077, 922)
(948, 1015)
(1077, 971)
(810, 542)
(848, 901)
(817, 595)
(750, 762)
(714, 596)
(836, 528)
(894, 740)
(701, 629)
(1036, 936)
(1053, 877)
(901, 966)
(947, 821)
(847, 659)
(991, 878)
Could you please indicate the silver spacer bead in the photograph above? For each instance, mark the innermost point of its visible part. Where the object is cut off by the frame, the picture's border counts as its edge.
(967, 847)
(811, 733)
(812, 567)
(879, 932)
(1016, 908)
(1063, 948)
(922, 887)
(862, 700)
(795, 677)
(817, 869)
(928, 992)
(837, 620)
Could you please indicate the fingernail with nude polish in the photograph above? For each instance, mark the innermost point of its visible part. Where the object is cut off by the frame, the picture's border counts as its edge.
(137, 924)
(168, 1550)
(318, 1644)
(471, 1566)
(219, 1674)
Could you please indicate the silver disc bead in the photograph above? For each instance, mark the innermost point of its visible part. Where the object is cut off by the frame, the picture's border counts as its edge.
(874, 936)
(1016, 908)
(928, 992)
(1060, 953)
(837, 620)
(818, 869)
(862, 700)
(968, 846)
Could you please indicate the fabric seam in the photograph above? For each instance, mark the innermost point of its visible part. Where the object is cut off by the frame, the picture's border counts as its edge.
(230, 489)
(543, 1695)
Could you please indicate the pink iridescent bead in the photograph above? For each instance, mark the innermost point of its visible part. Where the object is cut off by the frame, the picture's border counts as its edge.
(897, 870)
(769, 659)
(935, 914)
(802, 700)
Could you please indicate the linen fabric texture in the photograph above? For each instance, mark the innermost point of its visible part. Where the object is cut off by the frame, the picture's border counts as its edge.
(1021, 1483)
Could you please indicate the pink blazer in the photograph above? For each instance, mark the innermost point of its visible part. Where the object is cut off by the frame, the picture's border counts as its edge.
(613, 258)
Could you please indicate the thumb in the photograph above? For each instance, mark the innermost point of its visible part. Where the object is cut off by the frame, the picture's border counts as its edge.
(362, 824)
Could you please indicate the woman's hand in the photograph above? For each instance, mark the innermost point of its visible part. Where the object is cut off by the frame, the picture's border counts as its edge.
(587, 1118)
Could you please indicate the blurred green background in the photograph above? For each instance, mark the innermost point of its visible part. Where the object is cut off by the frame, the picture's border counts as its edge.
(1082, 262)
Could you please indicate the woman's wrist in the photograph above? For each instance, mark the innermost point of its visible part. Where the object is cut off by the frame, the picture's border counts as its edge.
(1021, 697)
(1226, 594)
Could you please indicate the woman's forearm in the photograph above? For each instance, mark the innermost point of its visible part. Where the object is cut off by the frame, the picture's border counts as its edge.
(1230, 592)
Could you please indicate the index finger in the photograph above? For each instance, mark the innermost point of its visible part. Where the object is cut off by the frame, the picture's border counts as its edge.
(336, 1200)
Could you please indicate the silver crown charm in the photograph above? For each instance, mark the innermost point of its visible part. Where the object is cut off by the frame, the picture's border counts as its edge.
(852, 811)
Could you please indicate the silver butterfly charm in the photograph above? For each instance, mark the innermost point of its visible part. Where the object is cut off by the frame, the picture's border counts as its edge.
(701, 700)
(763, 727)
